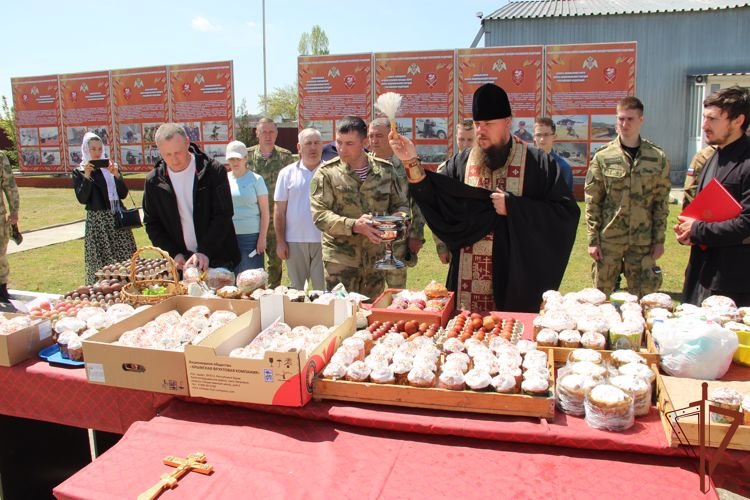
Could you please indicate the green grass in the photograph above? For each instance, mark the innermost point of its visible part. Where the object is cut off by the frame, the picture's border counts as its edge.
(50, 207)
(57, 268)
(63, 268)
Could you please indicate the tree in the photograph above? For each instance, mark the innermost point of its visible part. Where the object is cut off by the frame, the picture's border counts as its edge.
(314, 43)
(8, 125)
(281, 103)
(244, 131)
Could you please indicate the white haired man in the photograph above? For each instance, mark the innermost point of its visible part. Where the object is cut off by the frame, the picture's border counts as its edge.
(187, 204)
(298, 241)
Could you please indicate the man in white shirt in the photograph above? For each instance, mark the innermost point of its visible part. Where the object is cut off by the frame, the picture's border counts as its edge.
(297, 238)
(187, 204)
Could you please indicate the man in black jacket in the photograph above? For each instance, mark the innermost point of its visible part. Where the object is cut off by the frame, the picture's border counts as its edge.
(720, 251)
(187, 204)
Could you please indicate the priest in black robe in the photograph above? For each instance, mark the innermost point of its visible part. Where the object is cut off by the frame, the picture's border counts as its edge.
(503, 209)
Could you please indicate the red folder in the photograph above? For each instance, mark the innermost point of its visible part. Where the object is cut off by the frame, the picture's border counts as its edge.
(713, 204)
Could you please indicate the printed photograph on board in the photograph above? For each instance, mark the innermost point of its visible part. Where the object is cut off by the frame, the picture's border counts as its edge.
(432, 128)
(603, 127)
(576, 153)
(50, 156)
(130, 133)
(523, 128)
(131, 155)
(216, 131)
(571, 127)
(28, 137)
(49, 136)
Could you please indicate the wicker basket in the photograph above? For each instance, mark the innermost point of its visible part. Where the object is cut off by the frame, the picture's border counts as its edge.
(131, 293)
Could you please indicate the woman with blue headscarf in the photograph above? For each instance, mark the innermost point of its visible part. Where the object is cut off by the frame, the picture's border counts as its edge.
(101, 190)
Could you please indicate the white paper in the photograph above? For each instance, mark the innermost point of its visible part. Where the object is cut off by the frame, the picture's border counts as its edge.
(95, 372)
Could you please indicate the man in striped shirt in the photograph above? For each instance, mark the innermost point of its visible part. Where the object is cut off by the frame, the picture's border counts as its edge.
(345, 194)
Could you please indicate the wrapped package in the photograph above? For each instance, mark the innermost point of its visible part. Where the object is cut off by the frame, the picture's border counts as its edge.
(690, 347)
(252, 279)
(609, 408)
(219, 277)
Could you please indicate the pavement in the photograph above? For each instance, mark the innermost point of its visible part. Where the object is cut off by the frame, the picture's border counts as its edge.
(50, 236)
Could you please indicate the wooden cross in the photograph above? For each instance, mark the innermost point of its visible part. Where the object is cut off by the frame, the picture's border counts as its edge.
(194, 462)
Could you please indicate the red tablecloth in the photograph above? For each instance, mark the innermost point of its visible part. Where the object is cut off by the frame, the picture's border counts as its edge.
(36, 390)
(262, 455)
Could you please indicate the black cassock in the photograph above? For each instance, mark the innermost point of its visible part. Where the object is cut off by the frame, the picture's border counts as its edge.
(531, 245)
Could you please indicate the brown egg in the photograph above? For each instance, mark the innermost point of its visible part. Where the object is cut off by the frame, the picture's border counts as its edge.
(423, 327)
(411, 327)
(488, 322)
(475, 316)
(476, 323)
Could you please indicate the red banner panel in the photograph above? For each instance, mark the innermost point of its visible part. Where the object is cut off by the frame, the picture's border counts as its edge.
(332, 87)
(201, 99)
(518, 70)
(425, 80)
(140, 102)
(86, 107)
(39, 126)
(584, 83)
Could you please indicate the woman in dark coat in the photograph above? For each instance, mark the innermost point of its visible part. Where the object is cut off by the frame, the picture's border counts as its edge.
(101, 191)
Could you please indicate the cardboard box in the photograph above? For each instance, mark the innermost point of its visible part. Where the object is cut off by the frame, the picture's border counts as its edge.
(281, 378)
(24, 344)
(149, 369)
(676, 393)
(380, 311)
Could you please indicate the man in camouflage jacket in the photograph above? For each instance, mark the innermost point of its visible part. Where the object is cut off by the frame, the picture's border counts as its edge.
(407, 250)
(344, 195)
(627, 195)
(8, 217)
(267, 159)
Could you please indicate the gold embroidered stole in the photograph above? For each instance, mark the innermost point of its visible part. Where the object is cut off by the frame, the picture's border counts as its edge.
(475, 263)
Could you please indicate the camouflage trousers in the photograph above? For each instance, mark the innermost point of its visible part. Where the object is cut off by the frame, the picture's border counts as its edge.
(364, 280)
(273, 262)
(4, 266)
(641, 271)
(397, 278)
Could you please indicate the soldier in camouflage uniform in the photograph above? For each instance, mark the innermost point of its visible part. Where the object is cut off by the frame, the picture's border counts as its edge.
(267, 159)
(627, 195)
(693, 173)
(8, 217)
(344, 194)
(405, 251)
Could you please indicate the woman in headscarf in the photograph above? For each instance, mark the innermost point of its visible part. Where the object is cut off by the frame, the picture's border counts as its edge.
(101, 190)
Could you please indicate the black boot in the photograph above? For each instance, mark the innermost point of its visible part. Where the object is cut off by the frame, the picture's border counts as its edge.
(4, 296)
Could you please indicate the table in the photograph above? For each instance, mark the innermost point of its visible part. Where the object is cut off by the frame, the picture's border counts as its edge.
(265, 455)
(36, 390)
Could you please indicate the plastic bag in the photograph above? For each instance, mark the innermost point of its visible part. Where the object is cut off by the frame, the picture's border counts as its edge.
(248, 281)
(609, 408)
(571, 391)
(695, 349)
(218, 277)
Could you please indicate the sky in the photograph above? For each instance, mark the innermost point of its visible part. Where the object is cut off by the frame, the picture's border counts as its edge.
(53, 37)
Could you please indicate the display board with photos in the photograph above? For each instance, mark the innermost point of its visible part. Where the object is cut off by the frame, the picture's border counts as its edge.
(426, 83)
(332, 87)
(584, 84)
(124, 108)
(578, 86)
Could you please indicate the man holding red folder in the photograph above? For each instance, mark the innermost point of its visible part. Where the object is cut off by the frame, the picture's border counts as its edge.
(720, 255)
